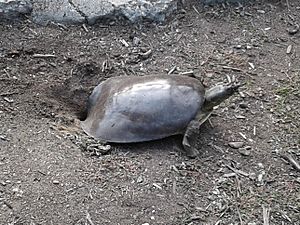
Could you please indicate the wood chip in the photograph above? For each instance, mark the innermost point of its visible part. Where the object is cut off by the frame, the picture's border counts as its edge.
(85, 28)
(266, 215)
(157, 186)
(174, 187)
(289, 49)
(196, 10)
(232, 68)
(89, 219)
(124, 43)
(172, 70)
(254, 131)
(175, 168)
(9, 100)
(251, 65)
(43, 56)
(187, 72)
(294, 30)
(55, 182)
(240, 117)
(146, 55)
(243, 135)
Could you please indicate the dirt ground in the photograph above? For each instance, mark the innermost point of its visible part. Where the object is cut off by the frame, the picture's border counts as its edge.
(52, 173)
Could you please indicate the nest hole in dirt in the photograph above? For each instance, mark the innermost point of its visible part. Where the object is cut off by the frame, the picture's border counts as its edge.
(73, 94)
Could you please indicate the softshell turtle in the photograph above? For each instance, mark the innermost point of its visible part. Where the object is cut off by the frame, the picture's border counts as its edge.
(129, 109)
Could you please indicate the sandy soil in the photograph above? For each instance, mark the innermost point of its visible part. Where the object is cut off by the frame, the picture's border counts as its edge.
(51, 173)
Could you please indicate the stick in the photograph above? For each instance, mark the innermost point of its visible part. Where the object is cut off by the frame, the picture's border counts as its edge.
(240, 217)
(292, 161)
(85, 28)
(239, 172)
(196, 10)
(44, 56)
(266, 215)
(172, 70)
(89, 219)
(9, 93)
(232, 68)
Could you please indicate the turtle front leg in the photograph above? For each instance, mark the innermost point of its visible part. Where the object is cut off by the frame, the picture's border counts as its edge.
(191, 130)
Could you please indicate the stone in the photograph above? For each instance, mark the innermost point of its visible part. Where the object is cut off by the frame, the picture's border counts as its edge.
(212, 2)
(244, 152)
(236, 144)
(57, 11)
(90, 12)
(14, 9)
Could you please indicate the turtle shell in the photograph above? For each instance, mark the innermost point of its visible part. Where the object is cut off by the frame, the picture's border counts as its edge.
(134, 109)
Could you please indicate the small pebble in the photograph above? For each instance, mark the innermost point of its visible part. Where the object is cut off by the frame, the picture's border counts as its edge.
(9, 100)
(55, 182)
(236, 144)
(136, 41)
(289, 49)
(243, 105)
(140, 179)
(261, 11)
(244, 152)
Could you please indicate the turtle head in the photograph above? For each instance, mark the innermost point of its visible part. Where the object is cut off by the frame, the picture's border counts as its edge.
(217, 94)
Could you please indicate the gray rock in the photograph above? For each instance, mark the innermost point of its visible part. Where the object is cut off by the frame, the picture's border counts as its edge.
(155, 10)
(236, 144)
(14, 9)
(58, 11)
(212, 2)
(244, 151)
(80, 11)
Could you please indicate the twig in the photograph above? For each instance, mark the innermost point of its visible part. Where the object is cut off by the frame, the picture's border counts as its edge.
(288, 5)
(266, 215)
(232, 68)
(44, 56)
(9, 93)
(196, 10)
(172, 70)
(124, 43)
(85, 28)
(292, 161)
(89, 219)
(224, 211)
(174, 187)
(191, 72)
(240, 172)
(238, 186)
(218, 222)
(210, 123)
(240, 217)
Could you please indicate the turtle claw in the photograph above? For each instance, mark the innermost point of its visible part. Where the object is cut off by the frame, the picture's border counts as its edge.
(191, 130)
(190, 151)
(233, 83)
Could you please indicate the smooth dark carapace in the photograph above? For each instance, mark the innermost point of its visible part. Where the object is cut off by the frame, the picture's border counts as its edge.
(135, 109)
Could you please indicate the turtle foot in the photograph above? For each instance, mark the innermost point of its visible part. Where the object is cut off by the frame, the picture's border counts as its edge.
(190, 151)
